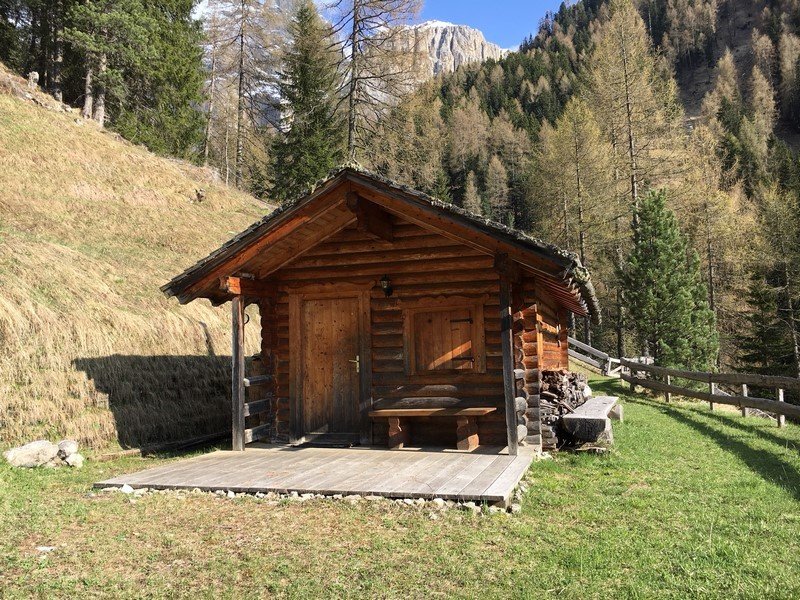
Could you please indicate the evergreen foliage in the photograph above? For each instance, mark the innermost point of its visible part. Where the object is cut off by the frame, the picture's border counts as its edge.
(763, 346)
(663, 290)
(161, 105)
(313, 142)
(135, 65)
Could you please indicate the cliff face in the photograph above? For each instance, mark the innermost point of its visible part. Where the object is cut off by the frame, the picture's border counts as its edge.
(443, 47)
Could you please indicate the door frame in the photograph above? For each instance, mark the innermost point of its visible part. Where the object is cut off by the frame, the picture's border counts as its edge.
(296, 298)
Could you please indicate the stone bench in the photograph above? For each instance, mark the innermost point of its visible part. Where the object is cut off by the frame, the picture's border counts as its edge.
(591, 421)
(466, 421)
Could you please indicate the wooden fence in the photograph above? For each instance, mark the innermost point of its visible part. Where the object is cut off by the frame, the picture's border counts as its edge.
(714, 395)
(608, 365)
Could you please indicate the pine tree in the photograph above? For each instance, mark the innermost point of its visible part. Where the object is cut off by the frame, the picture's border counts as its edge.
(160, 107)
(113, 36)
(666, 299)
(763, 345)
(312, 145)
(472, 199)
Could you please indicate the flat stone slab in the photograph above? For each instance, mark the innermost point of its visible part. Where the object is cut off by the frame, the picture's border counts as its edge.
(590, 422)
(484, 475)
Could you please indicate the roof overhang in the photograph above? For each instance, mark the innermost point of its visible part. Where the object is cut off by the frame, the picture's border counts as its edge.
(560, 272)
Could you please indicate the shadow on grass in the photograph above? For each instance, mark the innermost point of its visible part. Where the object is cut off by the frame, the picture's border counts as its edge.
(731, 421)
(767, 465)
(157, 399)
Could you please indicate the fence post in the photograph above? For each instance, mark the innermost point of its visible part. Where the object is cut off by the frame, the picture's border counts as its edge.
(781, 417)
(712, 389)
(744, 393)
(668, 395)
(634, 374)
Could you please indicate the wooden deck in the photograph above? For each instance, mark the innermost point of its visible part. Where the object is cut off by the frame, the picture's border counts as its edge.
(480, 476)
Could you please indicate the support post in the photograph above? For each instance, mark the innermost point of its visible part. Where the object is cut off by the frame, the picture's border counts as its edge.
(744, 393)
(237, 372)
(668, 395)
(781, 417)
(712, 389)
(507, 344)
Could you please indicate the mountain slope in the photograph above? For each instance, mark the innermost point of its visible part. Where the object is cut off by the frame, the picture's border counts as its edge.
(90, 227)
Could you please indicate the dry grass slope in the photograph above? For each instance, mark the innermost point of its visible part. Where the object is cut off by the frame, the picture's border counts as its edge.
(90, 227)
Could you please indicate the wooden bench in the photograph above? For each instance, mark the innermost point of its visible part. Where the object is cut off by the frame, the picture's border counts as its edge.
(591, 421)
(466, 423)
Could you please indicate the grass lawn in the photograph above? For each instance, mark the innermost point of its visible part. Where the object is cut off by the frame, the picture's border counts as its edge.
(690, 503)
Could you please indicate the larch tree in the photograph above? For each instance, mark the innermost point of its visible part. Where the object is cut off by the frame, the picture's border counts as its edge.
(411, 144)
(375, 72)
(496, 190)
(246, 36)
(312, 144)
(573, 164)
(472, 198)
(634, 100)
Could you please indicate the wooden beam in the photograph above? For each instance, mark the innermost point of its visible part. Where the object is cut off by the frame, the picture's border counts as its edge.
(507, 343)
(240, 286)
(237, 373)
(372, 219)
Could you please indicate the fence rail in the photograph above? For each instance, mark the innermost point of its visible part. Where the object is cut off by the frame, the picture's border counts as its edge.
(714, 396)
(594, 357)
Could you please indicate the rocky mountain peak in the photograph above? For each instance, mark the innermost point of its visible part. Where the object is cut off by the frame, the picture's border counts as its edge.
(443, 47)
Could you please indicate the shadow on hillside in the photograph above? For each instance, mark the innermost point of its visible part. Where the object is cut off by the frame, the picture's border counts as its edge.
(156, 399)
(765, 464)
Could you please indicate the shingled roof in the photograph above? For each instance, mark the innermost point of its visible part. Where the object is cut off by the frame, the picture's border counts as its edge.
(573, 275)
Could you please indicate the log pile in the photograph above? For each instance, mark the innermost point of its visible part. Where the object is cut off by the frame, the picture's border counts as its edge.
(561, 393)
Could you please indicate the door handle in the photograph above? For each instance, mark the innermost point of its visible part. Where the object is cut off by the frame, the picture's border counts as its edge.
(357, 362)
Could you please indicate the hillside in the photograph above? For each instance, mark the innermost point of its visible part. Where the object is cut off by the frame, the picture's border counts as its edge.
(90, 227)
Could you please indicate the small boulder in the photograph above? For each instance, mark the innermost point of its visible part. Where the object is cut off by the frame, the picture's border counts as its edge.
(75, 460)
(515, 509)
(33, 454)
(126, 489)
(438, 502)
(67, 448)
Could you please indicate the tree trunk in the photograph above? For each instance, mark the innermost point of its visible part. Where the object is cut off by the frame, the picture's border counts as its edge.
(631, 134)
(795, 336)
(240, 103)
(352, 106)
(100, 96)
(58, 55)
(210, 116)
(88, 98)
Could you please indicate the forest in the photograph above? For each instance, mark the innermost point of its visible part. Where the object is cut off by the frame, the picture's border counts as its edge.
(687, 213)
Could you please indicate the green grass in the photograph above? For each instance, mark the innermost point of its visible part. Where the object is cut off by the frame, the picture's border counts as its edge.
(689, 504)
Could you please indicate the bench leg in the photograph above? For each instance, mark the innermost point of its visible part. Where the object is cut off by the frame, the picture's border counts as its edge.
(466, 433)
(398, 433)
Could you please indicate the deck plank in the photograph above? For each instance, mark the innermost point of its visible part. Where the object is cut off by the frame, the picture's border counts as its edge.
(483, 476)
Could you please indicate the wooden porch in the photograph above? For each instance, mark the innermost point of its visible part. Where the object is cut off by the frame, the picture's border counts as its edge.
(484, 475)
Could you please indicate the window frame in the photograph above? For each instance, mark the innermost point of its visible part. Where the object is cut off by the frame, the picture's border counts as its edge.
(476, 308)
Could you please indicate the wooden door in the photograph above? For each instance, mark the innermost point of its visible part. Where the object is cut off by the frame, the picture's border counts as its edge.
(328, 376)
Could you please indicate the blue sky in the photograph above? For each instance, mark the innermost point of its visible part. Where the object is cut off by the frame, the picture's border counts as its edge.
(504, 22)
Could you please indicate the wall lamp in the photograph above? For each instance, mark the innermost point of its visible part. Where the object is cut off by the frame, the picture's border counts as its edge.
(386, 285)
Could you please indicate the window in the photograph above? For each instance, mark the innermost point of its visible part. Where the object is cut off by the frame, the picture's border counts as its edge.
(444, 338)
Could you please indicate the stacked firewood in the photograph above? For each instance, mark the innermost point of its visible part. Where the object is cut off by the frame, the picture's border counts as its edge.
(562, 392)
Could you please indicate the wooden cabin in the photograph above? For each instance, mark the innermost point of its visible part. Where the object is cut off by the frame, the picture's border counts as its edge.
(391, 318)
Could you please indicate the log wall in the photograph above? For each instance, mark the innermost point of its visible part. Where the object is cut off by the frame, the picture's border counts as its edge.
(420, 265)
